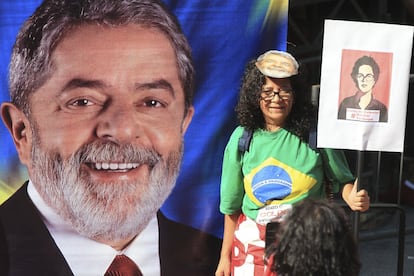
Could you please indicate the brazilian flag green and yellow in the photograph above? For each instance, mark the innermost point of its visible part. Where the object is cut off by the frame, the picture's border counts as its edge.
(5, 191)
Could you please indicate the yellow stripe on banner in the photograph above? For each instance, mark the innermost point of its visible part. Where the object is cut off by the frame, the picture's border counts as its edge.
(5, 191)
(277, 11)
(300, 183)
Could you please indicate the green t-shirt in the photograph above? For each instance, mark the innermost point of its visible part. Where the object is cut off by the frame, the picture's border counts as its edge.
(278, 168)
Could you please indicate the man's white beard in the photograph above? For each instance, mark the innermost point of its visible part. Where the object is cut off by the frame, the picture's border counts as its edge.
(104, 211)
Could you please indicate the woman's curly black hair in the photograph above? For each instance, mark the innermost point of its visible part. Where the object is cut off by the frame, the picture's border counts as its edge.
(315, 240)
(302, 116)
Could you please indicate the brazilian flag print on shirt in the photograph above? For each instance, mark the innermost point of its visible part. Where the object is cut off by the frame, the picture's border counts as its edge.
(277, 182)
(278, 167)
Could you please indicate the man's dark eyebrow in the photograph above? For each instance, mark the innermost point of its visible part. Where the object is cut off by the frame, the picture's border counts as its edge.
(157, 84)
(83, 83)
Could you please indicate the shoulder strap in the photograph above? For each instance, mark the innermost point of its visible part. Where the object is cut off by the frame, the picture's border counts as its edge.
(312, 138)
(244, 141)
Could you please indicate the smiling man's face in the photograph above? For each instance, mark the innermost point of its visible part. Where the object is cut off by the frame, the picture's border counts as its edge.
(106, 129)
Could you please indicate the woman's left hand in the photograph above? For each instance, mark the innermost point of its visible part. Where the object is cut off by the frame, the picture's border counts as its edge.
(356, 200)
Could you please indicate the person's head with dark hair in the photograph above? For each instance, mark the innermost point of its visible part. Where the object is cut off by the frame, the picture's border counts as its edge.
(260, 106)
(365, 71)
(315, 240)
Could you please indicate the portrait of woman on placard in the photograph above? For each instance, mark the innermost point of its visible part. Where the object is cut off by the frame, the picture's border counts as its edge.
(364, 105)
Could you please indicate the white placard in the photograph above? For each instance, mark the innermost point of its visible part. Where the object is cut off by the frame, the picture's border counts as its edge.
(348, 117)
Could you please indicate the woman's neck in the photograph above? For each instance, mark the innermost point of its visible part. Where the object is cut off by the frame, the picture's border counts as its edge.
(365, 100)
(272, 127)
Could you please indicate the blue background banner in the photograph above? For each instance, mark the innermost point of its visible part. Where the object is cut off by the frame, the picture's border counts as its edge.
(224, 36)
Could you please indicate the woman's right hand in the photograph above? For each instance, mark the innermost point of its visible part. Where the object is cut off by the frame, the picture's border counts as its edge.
(224, 267)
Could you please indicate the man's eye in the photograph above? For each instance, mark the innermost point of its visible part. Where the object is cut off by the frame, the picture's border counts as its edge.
(81, 102)
(153, 103)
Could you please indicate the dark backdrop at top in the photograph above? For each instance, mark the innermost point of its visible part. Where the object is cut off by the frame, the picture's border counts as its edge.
(224, 35)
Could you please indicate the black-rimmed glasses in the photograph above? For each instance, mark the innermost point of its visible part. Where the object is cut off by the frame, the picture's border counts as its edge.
(367, 77)
(269, 94)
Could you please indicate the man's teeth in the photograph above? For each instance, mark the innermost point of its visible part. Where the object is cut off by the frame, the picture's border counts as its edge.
(115, 166)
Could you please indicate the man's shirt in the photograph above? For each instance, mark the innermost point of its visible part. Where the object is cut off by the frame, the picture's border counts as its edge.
(88, 257)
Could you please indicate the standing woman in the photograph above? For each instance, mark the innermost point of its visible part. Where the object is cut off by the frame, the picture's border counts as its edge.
(278, 168)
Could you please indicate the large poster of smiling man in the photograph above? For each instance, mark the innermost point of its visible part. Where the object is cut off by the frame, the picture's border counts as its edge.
(364, 85)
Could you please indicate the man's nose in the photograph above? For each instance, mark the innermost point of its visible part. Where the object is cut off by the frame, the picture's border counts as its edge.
(118, 123)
